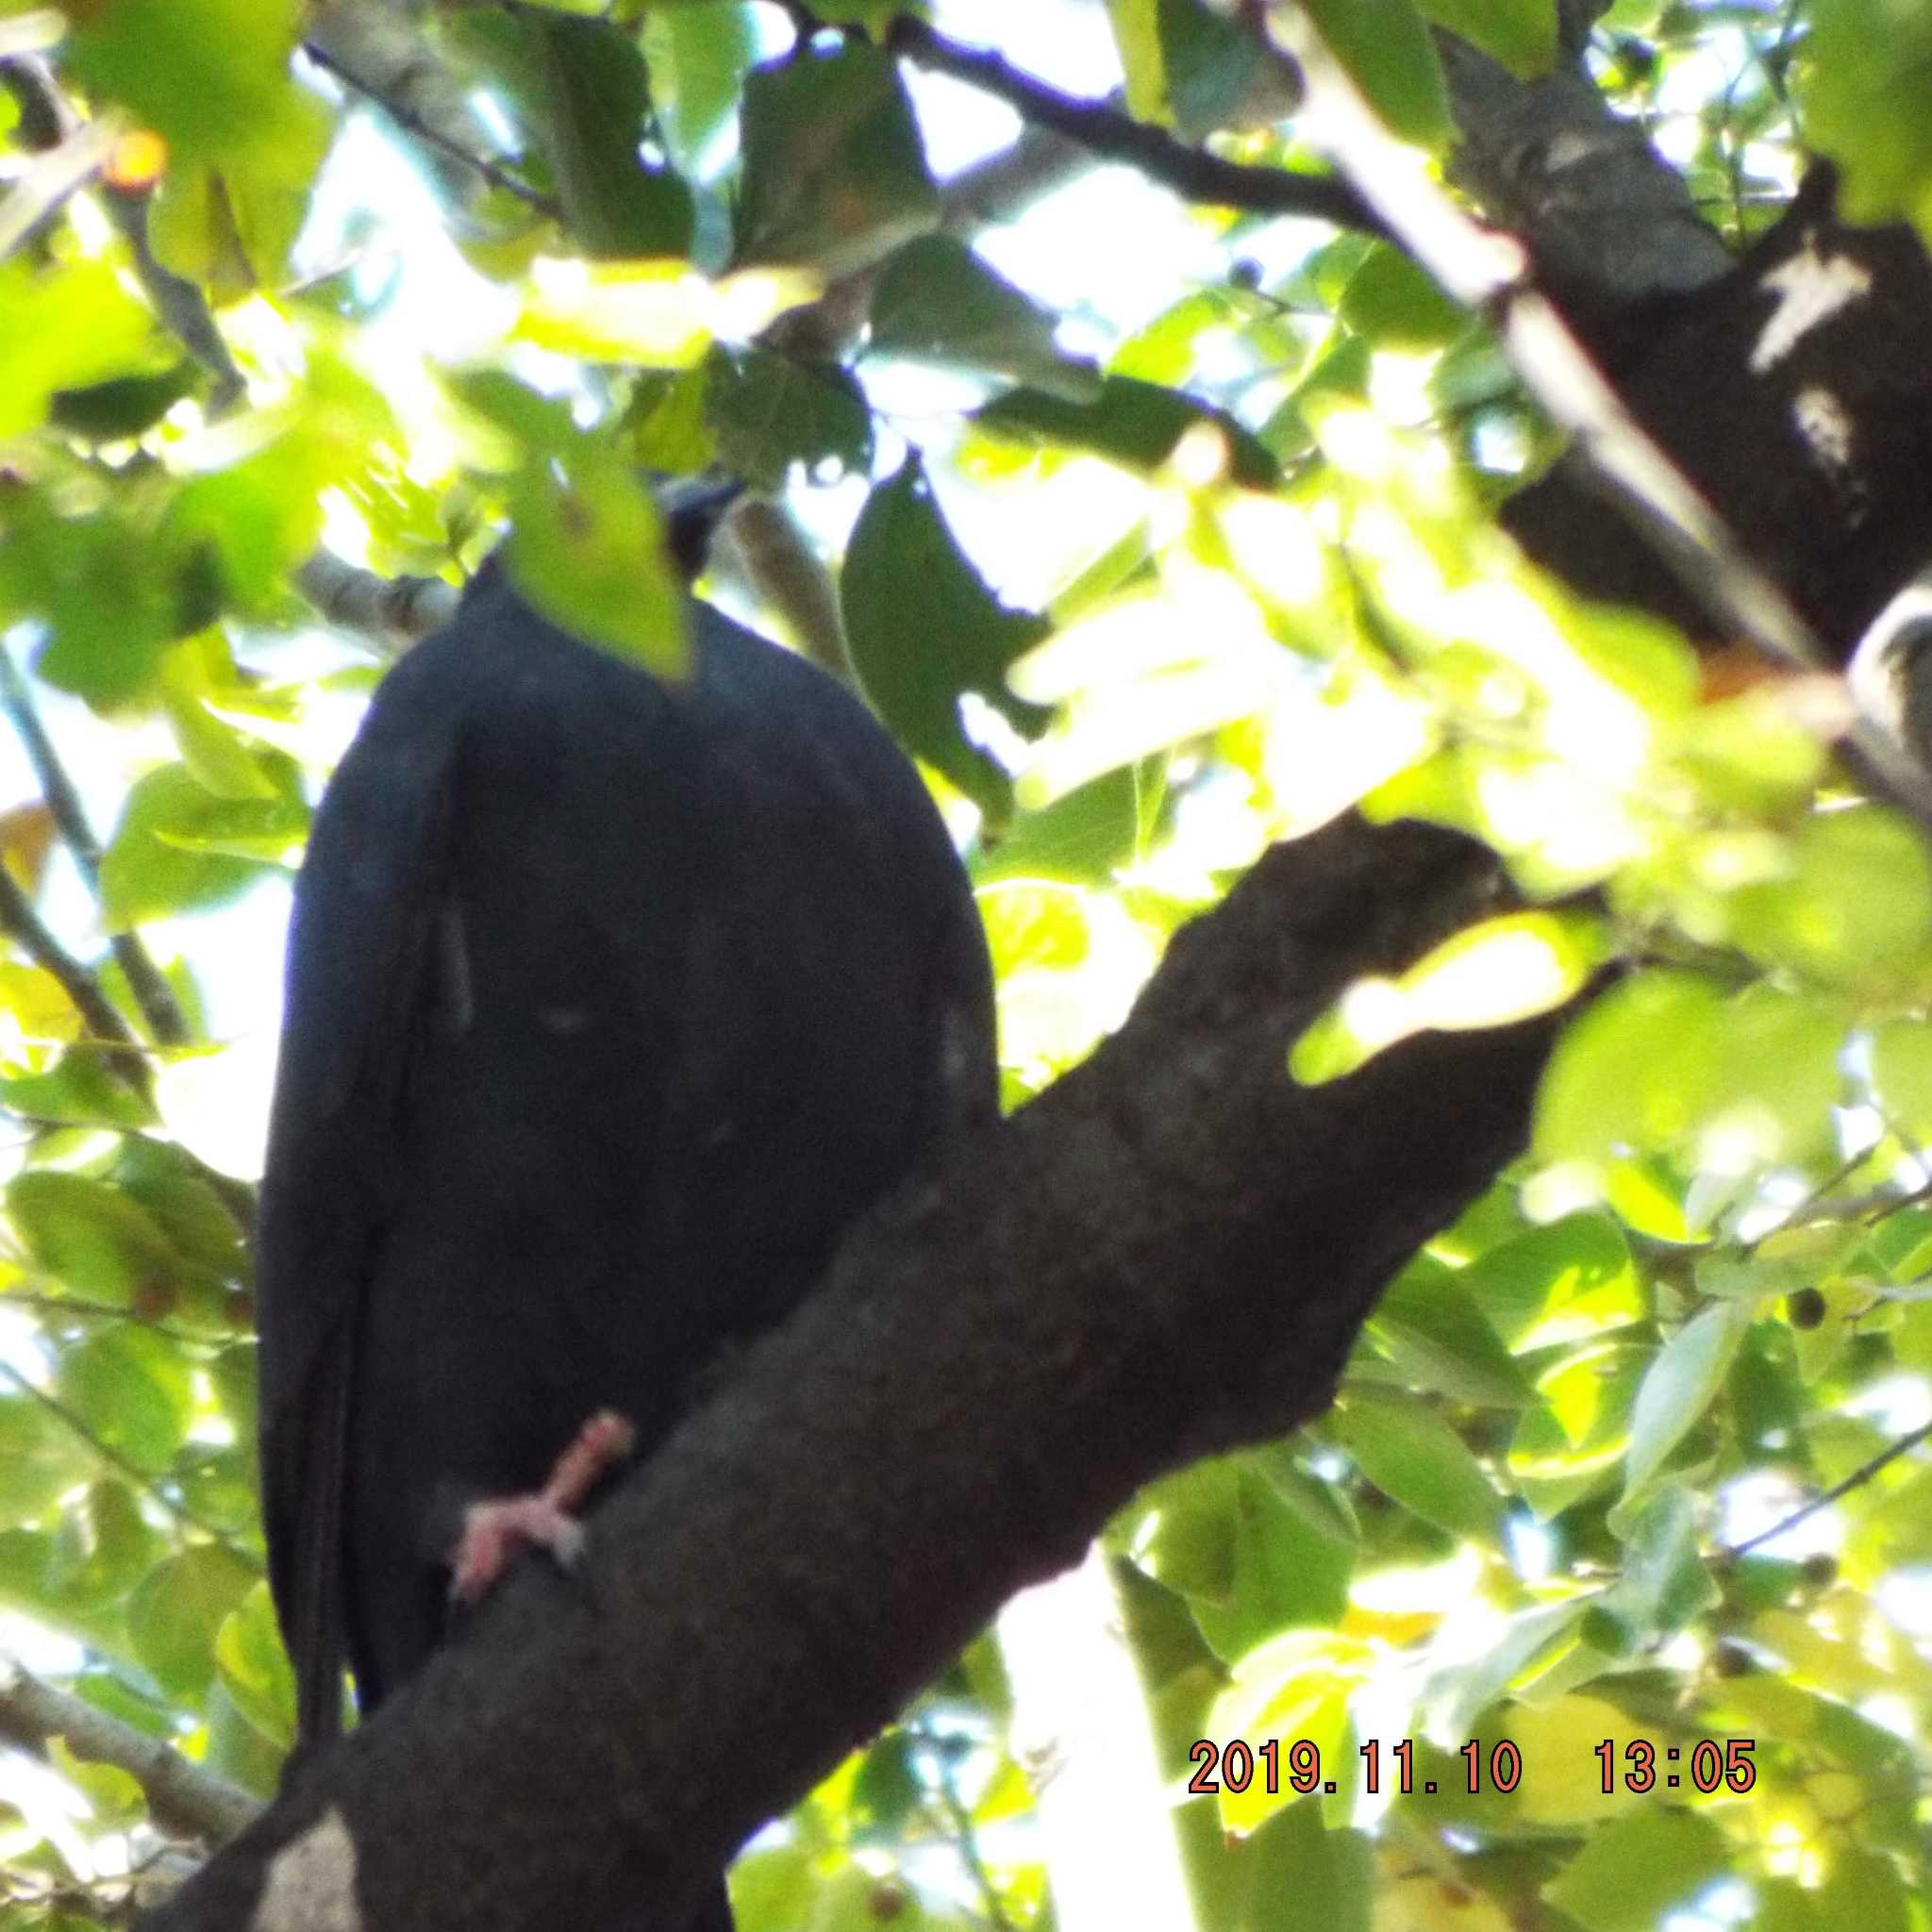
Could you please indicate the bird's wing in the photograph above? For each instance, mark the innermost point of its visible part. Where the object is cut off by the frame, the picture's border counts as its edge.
(365, 949)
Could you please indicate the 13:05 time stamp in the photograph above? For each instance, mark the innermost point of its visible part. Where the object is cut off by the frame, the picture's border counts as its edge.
(1274, 1766)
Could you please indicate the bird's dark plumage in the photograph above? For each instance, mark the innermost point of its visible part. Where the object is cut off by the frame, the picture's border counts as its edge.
(610, 1004)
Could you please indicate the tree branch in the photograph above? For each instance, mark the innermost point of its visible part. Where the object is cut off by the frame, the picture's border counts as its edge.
(1856, 1480)
(1169, 1252)
(151, 990)
(146, 1481)
(35, 937)
(1193, 172)
(1489, 272)
(392, 613)
(406, 114)
(185, 1801)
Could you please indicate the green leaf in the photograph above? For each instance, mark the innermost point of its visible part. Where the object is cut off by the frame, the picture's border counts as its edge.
(1294, 1687)
(41, 1458)
(1564, 1283)
(1435, 1336)
(587, 544)
(234, 533)
(195, 674)
(1210, 60)
(1867, 101)
(235, 1749)
(207, 75)
(1853, 908)
(1520, 34)
(1415, 1458)
(1666, 1584)
(1864, 1891)
(1287, 1573)
(1635, 1871)
(90, 578)
(102, 1548)
(178, 1197)
(1130, 422)
(597, 108)
(925, 630)
(1634, 1073)
(255, 1668)
(835, 172)
(178, 848)
(1186, 1530)
(120, 407)
(1385, 48)
(1568, 1448)
(698, 54)
(174, 1616)
(1085, 836)
(86, 1087)
(766, 412)
(1902, 1075)
(91, 1237)
(588, 550)
(935, 301)
(229, 223)
(131, 1389)
(1398, 304)
(664, 428)
(1777, 1077)
(1137, 38)
(1304, 1878)
(1681, 1384)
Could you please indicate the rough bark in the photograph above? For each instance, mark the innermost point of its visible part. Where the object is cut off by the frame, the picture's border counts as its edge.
(1169, 1252)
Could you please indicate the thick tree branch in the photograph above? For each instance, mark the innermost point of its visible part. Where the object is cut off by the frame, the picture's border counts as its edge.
(1169, 1252)
(1489, 272)
(1608, 222)
(187, 1800)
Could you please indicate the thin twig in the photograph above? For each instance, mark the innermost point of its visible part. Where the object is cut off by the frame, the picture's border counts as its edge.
(145, 1480)
(1192, 173)
(49, 117)
(965, 1838)
(145, 981)
(60, 1307)
(20, 922)
(54, 175)
(1858, 1477)
(406, 117)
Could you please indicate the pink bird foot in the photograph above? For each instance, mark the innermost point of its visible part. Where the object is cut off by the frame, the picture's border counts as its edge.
(495, 1530)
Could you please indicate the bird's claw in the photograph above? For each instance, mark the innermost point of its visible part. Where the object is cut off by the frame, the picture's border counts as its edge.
(495, 1530)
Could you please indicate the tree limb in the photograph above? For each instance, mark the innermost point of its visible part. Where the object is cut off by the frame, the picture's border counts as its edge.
(36, 938)
(151, 990)
(1193, 172)
(406, 85)
(1169, 1252)
(1489, 272)
(185, 1801)
(391, 612)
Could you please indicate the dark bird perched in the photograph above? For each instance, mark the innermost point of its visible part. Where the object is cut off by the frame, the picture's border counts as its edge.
(612, 1003)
